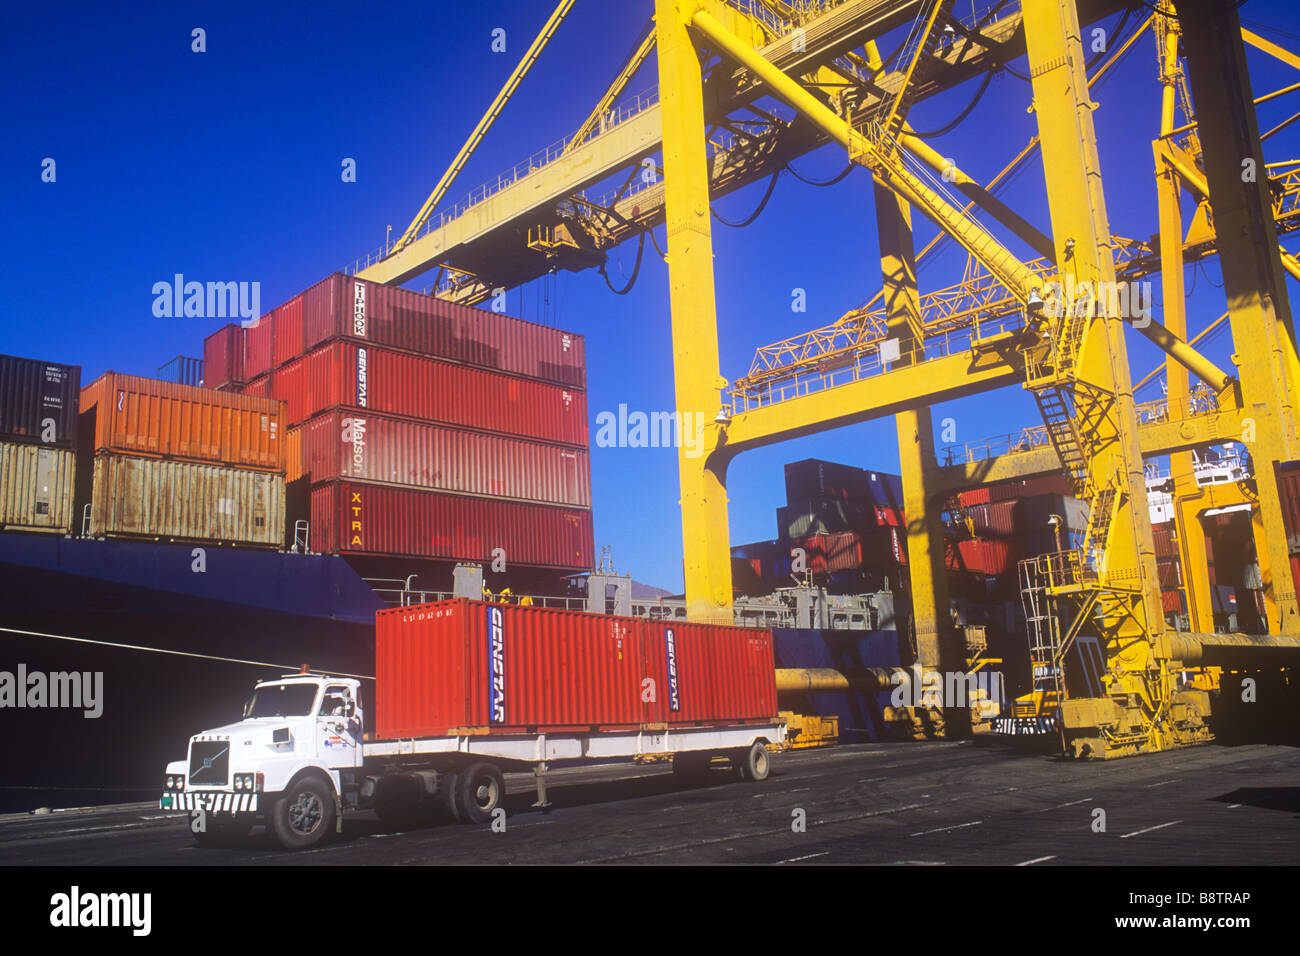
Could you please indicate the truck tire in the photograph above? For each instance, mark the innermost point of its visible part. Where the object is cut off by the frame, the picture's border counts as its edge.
(692, 764)
(223, 832)
(478, 791)
(755, 763)
(303, 815)
(448, 784)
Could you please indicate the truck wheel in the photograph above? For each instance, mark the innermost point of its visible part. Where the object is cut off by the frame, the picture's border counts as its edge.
(692, 764)
(755, 763)
(478, 791)
(303, 815)
(449, 782)
(223, 832)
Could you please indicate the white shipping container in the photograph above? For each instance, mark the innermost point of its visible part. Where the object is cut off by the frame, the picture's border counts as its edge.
(157, 498)
(36, 487)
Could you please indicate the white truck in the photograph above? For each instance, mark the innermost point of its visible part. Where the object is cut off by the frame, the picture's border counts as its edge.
(298, 759)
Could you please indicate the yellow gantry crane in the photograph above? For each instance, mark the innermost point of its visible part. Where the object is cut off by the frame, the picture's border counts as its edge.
(747, 85)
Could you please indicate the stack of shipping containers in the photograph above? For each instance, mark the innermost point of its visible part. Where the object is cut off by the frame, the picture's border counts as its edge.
(420, 429)
(847, 523)
(164, 461)
(38, 434)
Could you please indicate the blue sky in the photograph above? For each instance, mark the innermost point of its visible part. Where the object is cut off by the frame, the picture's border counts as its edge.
(225, 166)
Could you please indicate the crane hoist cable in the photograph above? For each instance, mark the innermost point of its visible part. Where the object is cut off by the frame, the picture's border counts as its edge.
(771, 185)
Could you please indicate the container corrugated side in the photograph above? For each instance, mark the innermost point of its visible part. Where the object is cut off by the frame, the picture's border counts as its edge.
(158, 498)
(287, 338)
(354, 518)
(144, 416)
(710, 674)
(342, 373)
(258, 342)
(36, 487)
(38, 401)
(223, 357)
(1288, 489)
(346, 306)
(462, 664)
(357, 445)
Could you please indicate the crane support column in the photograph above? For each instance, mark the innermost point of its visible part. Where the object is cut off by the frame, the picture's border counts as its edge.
(1117, 594)
(931, 616)
(1253, 279)
(705, 540)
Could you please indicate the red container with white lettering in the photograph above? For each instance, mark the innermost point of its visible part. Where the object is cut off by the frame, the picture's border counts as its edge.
(399, 383)
(350, 517)
(465, 665)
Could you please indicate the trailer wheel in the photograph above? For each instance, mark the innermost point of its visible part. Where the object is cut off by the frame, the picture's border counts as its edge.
(755, 763)
(478, 791)
(303, 815)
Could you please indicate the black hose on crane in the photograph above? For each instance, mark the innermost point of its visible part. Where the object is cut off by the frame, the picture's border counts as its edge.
(771, 185)
(636, 269)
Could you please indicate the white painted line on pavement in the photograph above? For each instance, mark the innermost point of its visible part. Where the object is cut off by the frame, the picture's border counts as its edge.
(1149, 829)
(1039, 859)
(955, 827)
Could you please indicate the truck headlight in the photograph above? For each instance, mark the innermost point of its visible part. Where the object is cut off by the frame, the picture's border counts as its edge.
(244, 781)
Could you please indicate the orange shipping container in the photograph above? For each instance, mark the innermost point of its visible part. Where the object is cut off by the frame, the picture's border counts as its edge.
(143, 416)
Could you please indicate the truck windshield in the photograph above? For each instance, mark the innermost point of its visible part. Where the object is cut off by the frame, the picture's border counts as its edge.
(281, 700)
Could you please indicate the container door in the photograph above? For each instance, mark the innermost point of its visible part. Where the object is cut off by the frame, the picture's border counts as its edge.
(43, 511)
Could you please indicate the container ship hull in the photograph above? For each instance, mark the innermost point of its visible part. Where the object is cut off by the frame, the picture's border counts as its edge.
(168, 640)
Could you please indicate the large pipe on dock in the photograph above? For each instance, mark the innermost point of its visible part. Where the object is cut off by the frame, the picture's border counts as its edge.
(1261, 649)
(825, 680)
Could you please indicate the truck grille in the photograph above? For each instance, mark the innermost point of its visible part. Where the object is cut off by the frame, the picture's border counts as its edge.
(209, 763)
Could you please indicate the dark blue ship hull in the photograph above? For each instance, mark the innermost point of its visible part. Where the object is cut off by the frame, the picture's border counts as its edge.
(178, 648)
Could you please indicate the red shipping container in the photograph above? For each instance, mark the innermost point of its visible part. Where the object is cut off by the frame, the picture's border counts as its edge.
(983, 557)
(1171, 601)
(997, 519)
(1166, 542)
(345, 306)
(1288, 489)
(883, 548)
(1168, 572)
(890, 517)
(976, 496)
(352, 518)
(381, 380)
(287, 331)
(455, 665)
(257, 347)
(223, 357)
(1030, 487)
(362, 446)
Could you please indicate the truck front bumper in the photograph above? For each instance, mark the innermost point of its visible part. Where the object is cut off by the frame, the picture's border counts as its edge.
(212, 802)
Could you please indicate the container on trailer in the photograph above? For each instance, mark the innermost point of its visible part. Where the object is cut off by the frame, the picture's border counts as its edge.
(131, 415)
(360, 445)
(160, 498)
(462, 665)
(343, 373)
(223, 358)
(38, 401)
(350, 517)
(36, 487)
